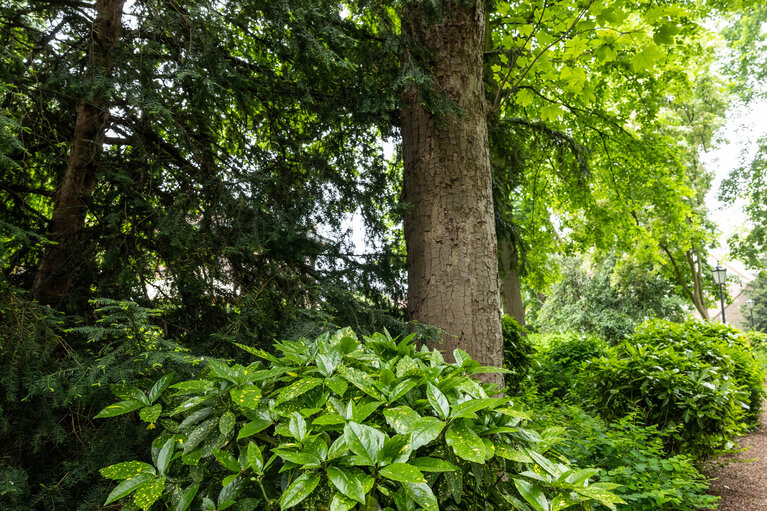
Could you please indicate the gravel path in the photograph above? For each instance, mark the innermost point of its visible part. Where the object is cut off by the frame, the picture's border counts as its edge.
(743, 485)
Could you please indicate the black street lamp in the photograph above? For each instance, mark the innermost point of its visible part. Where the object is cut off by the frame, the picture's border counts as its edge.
(750, 304)
(720, 277)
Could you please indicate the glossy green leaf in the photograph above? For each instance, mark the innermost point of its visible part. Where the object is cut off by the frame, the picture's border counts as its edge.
(200, 433)
(299, 489)
(510, 453)
(402, 388)
(470, 407)
(454, 481)
(363, 440)
(159, 387)
(120, 408)
(337, 385)
(297, 457)
(428, 464)
(297, 426)
(187, 497)
(532, 494)
(255, 426)
(222, 370)
(347, 482)
(227, 460)
(394, 448)
(226, 423)
(361, 380)
(127, 487)
(438, 401)
(255, 458)
(422, 494)
(166, 455)
(341, 502)
(189, 404)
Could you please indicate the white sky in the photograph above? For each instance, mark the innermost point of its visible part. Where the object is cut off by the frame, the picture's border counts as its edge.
(737, 145)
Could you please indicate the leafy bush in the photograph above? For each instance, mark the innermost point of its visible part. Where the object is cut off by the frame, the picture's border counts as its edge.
(698, 383)
(517, 350)
(719, 345)
(559, 363)
(334, 424)
(630, 455)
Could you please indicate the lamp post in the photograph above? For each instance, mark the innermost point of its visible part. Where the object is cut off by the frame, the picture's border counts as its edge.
(750, 304)
(720, 276)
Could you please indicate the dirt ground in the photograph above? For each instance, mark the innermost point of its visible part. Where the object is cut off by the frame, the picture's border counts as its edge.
(743, 485)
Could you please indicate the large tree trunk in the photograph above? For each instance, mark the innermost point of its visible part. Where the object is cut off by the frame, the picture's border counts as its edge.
(511, 291)
(60, 261)
(449, 223)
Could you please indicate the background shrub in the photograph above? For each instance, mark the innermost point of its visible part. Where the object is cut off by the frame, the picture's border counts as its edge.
(631, 455)
(560, 359)
(518, 351)
(719, 345)
(698, 383)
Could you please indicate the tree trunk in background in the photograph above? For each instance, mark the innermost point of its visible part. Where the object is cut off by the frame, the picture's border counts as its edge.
(449, 223)
(511, 291)
(59, 263)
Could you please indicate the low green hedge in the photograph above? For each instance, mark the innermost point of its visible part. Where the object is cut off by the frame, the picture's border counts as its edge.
(698, 382)
(338, 423)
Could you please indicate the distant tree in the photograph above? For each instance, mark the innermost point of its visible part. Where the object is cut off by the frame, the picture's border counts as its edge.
(609, 302)
(758, 293)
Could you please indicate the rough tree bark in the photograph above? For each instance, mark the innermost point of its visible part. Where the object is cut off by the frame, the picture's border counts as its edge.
(60, 260)
(511, 291)
(449, 224)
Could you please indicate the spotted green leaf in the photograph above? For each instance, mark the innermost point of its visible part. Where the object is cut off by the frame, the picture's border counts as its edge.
(297, 426)
(200, 433)
(227, 460)
(508, 452)
(226, 423)
(127, 487)
(148, 493)
(337, 385)
(468, 408)
(127, 470)
(361, 380)
(341, 502)
(402, 472)
(150, 413)
(422, 494)
(247, 397)
(364, 441)
(465, 442)
(297, 388)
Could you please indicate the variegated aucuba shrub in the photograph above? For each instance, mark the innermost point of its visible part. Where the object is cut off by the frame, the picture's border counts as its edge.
(336, 424)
